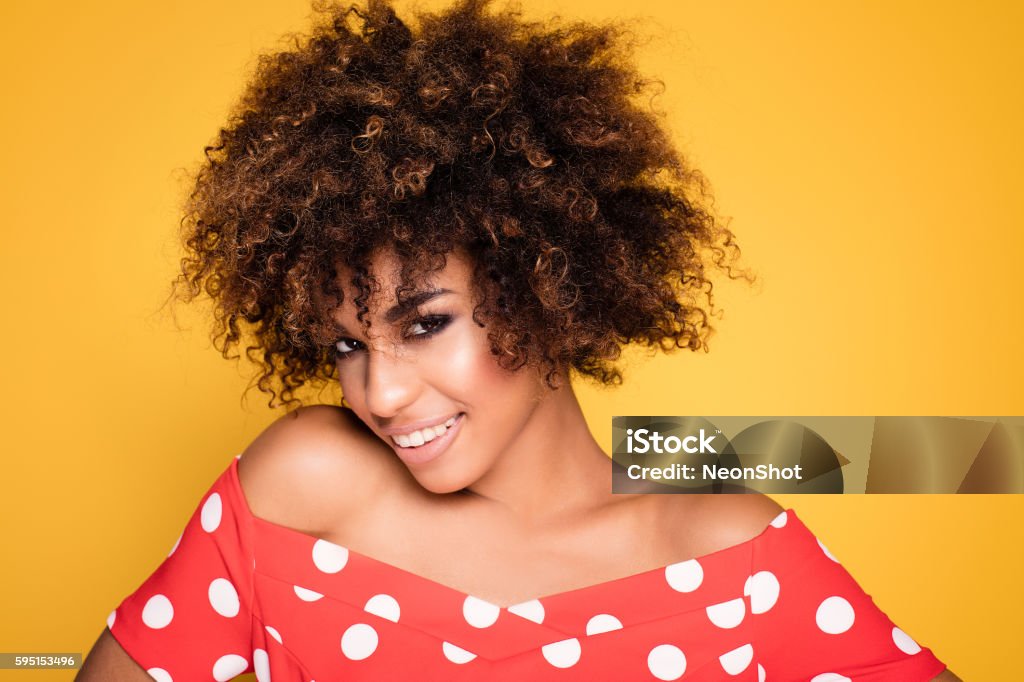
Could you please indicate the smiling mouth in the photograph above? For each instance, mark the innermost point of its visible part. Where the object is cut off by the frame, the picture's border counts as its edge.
(423, 436)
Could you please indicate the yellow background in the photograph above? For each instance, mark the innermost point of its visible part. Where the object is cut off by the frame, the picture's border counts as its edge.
(867, 153)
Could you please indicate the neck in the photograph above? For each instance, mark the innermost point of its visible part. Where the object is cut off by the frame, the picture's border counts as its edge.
(555, 470)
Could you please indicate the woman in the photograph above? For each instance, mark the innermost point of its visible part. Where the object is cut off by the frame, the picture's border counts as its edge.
(450, 223)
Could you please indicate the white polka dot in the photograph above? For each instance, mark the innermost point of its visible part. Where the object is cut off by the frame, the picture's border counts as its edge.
(456, 654)
(385, 606)
(603, 622)
(261, 663)
(306, 595)
(737, 660)
(359, 641)
(530, 610)
(238, 455)
(479, 613)
(830, 677)
(760, 673)
(223, 597)
(685, 576)
(329, 557)
(728, 614)
(666, 662)
(274, 633)
(905, 642)
(763, 590)
(212, 511)
(111, 618)
(176, 543)
(780, 520)
(834, 616)
(563, 654)
(229, 666)
(160, 675)
(158, 612)
(827, 553)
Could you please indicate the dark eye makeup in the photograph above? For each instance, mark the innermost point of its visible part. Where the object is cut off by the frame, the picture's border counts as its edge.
(432, 324)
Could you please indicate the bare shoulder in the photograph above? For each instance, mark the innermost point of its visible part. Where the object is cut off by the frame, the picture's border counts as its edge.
(739, 518)
(312, 467)
(720, 521)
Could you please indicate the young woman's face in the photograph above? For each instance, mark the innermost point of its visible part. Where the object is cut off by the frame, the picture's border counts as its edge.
(431, 389)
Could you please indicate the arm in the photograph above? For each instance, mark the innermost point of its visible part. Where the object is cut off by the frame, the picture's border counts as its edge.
(193, 613)
(946, 676)
(820, 622)
(292, 474)
(109, 661)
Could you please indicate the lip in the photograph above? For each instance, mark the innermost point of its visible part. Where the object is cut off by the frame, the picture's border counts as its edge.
(406, 429)
(431, 450)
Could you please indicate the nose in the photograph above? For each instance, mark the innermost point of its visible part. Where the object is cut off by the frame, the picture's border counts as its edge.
(392, 381)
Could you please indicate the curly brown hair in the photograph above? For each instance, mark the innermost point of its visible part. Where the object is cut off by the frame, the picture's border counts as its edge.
(521, 142)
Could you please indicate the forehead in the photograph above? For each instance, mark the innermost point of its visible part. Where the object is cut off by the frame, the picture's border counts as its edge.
(385, 267)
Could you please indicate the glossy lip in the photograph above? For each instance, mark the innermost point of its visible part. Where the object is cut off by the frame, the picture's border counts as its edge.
(431, 450)
(406, 429)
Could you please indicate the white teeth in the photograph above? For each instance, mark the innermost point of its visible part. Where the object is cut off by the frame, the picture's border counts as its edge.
(418, 438)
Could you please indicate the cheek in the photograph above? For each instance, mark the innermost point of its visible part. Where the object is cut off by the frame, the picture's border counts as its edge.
(466, 364)
(473, 374)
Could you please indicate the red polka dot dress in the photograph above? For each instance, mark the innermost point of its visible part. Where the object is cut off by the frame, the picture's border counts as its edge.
(240, 594)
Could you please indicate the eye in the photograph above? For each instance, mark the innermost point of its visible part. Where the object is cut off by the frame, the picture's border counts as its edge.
(430, 325)
(345, 347)
(420, 329)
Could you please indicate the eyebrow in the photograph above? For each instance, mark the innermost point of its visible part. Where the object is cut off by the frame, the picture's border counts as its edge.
(397, 311)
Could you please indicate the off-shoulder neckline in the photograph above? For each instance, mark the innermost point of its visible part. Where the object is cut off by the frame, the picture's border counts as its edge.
(637, 577)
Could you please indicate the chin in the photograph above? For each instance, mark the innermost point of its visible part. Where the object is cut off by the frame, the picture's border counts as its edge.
(441, 484)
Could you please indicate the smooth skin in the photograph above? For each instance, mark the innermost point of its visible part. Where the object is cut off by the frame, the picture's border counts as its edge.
(521, 496)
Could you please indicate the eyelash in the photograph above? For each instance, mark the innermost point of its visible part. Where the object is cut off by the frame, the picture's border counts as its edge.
(438, 323)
